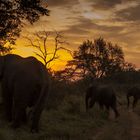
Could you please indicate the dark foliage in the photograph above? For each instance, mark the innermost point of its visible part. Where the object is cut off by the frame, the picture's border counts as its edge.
(99, 58)
(12, 15)
(95, 59)
(125, 77)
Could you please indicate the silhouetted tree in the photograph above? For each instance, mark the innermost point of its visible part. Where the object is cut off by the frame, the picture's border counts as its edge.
(13, 13)
(5, 50)
(41, 41)
(96, 59)
(129, 67)
(68, 74)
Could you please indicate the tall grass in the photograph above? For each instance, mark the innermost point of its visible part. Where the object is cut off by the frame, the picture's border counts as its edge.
(65, 117)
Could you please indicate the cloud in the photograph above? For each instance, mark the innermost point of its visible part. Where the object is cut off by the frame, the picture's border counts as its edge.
(129, 14)
(61, 3)
(108, 4)
(105, 4)
(86, 26)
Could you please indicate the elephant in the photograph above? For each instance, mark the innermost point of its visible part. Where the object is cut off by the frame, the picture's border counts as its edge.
(135, 93)
(25, 84)
(104, 96)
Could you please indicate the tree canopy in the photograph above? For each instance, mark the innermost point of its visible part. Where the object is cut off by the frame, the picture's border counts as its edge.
(12, 15)
(96, 59)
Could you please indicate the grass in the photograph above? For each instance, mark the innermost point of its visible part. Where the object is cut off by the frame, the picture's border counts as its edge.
(69, 121)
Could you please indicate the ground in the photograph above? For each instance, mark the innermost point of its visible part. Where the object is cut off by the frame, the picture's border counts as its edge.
(71, 122)
(127, 127)
(135, 130)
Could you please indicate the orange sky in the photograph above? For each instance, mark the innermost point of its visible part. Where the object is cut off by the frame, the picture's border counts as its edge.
(115, 20)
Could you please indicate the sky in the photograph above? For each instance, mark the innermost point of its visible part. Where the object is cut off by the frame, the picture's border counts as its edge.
(117, 21)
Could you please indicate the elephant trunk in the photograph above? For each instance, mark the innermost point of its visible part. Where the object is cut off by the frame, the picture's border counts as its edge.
(88, 95)
(86, 101)
(128, 101)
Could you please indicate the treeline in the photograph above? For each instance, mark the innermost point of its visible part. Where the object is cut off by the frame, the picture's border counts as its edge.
(95, 59)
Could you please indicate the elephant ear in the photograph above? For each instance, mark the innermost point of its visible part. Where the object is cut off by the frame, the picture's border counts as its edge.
(1, 66)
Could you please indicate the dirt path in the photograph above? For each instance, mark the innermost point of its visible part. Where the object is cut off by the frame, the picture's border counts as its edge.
(120, 128)
(114, 129)
(126, 128)
(135, 131)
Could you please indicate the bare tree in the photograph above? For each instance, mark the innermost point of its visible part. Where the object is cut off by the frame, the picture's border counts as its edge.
(41, 42)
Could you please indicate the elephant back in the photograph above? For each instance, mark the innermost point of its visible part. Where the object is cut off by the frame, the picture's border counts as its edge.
(134, 91)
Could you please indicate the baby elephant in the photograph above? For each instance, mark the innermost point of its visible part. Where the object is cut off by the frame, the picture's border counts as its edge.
(104, 96)
(135, 93)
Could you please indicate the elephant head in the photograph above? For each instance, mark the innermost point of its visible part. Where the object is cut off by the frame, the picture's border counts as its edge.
(135, 93)
(90, 97)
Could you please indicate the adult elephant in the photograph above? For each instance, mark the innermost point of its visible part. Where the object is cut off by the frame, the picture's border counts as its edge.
(25, 83)
(104, 96)
(135, 93)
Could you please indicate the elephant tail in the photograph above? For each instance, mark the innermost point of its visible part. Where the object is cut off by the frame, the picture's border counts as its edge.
(88, 95)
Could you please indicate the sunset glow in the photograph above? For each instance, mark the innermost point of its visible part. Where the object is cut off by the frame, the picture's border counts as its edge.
(117, 21)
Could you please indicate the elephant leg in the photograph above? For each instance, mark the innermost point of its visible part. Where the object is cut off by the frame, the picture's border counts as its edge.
(35, 117)
(107, 109)
(18, 114)
(24, 116)
(114, 108)
(19, 117)
(35, 114)
(7, 101)
(37, 110)
(135, 102)
(91, 103)
(101, 106)
(8, 107)
(15, 117)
